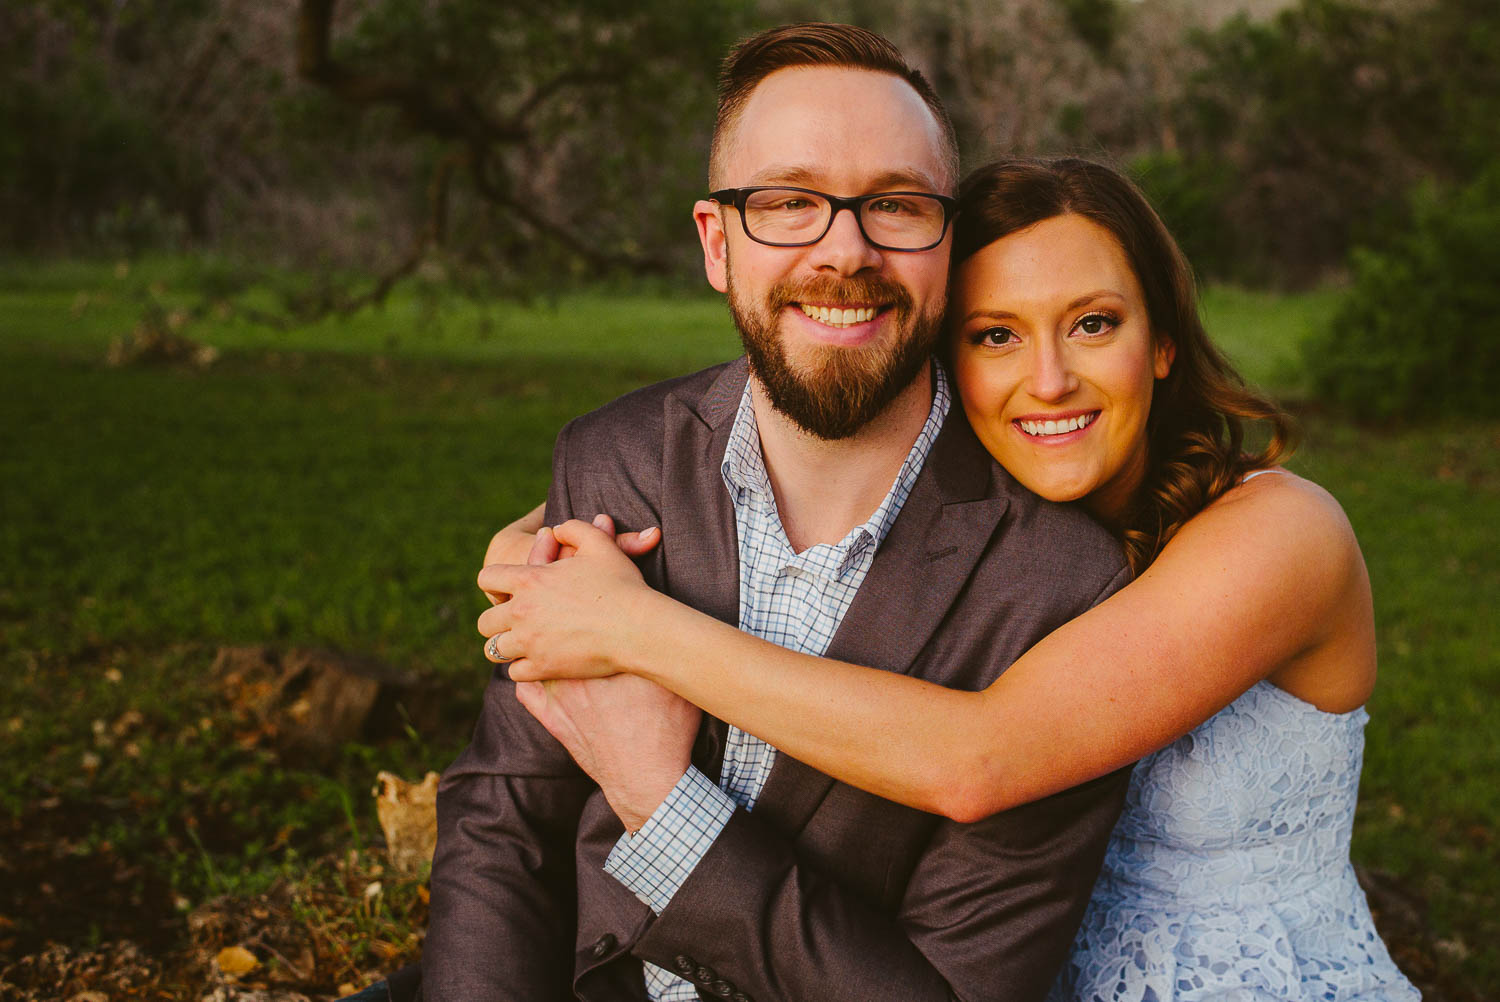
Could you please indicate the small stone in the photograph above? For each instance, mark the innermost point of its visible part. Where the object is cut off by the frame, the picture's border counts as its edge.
(114, 675)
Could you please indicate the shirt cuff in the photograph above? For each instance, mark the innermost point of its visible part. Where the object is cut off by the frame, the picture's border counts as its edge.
(656, 861)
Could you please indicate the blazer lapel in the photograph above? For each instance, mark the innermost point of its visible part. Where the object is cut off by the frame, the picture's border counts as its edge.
(923, 563)
(700, 550)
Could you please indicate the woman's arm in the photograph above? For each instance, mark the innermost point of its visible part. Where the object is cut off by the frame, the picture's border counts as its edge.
(1266, 582)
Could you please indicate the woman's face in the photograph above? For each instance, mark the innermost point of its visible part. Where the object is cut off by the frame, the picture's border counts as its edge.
(1055, 362)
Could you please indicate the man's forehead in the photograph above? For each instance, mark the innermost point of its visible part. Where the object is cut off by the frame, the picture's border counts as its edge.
(802, 175)
(835, 127)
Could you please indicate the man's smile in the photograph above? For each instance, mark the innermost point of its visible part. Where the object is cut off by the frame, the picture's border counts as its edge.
(840, 316)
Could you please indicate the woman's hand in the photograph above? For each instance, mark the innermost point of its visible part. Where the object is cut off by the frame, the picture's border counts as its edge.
(528, 540)
(574, 618)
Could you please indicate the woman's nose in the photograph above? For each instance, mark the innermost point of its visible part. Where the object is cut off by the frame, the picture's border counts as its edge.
(1052, 377)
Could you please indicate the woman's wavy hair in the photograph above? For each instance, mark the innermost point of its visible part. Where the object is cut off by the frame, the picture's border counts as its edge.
(1199, 412)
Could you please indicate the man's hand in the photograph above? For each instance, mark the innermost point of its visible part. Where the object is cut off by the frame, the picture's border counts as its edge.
(631, 736)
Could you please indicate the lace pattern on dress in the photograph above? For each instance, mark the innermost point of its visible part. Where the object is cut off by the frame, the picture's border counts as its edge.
(1228, 877)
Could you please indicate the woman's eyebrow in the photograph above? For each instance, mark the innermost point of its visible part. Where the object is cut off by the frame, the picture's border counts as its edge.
(1087, 298)
(1083, 300)
(990, 315)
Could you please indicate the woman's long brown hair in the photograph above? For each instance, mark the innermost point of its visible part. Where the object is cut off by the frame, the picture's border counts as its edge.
(1199, 413)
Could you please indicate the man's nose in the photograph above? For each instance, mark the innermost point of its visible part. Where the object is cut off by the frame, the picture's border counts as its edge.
(1051, 377)
(844, 249)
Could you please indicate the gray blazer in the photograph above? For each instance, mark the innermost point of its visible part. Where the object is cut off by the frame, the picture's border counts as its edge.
(824, 892)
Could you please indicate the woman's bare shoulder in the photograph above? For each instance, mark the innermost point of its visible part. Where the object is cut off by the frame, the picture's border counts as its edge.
(1278, 513)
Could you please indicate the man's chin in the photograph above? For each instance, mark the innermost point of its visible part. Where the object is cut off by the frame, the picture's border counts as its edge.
(831, 393)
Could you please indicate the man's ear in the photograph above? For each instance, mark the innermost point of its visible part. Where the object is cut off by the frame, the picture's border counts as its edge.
(1166, 354)
(710, 221)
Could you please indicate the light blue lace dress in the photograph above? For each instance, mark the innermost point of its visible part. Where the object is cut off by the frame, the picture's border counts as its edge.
(1228, 876)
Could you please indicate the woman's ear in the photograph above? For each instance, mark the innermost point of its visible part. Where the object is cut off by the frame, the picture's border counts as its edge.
(1166, 354)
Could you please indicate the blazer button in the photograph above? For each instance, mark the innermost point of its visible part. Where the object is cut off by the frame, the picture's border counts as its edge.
(740, 997)
(684, 965)
(705, 975)
(605, 944)
(722, 988)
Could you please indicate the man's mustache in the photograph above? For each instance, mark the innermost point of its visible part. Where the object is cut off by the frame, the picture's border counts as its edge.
(865, 290)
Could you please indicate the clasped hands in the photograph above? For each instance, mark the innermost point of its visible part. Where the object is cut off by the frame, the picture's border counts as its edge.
(561, 621)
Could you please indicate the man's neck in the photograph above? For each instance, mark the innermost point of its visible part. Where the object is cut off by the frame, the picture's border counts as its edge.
(826, 488)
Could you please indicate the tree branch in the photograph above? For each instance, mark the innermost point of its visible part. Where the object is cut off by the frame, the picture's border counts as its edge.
(438, 111)
(602, 259)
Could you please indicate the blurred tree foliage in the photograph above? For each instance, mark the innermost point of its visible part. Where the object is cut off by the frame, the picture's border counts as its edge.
(470, 137)
(1408, 340)
(1315, 123)
(467, 138)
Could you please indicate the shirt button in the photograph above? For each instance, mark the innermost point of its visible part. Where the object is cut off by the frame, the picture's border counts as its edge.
(684, 965)
(604, 944)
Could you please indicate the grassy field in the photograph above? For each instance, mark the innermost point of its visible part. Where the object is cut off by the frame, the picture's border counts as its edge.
(334, 485)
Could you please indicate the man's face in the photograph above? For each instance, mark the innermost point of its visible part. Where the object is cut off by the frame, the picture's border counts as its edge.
(845, 132)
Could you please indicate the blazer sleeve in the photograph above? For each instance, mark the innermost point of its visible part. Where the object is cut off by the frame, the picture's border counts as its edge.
(988, 914)
(504, 900)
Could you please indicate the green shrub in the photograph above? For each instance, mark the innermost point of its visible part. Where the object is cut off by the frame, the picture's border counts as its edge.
(1190, 196)
(1412, 337)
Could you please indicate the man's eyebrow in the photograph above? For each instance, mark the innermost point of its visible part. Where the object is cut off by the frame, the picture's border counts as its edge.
(1083, 300)
(802, 176)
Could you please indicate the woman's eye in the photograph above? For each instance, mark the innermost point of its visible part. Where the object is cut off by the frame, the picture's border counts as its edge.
(1095, 323)
(995, 336)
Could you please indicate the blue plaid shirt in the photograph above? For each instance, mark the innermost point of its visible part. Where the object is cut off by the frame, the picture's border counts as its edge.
(793, 599)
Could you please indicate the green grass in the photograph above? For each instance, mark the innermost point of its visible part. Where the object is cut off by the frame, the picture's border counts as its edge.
(335, 485)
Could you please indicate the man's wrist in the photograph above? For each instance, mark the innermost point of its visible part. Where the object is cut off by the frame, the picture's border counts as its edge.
(648, 789)
(656, 861)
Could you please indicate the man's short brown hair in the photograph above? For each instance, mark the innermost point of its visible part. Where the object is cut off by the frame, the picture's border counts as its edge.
(815, 44)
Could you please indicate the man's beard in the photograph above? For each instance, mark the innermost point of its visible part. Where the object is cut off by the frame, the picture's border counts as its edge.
(831, 391)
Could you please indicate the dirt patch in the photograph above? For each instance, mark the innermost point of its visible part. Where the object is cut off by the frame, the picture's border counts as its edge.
(346, 922)
(59, 884)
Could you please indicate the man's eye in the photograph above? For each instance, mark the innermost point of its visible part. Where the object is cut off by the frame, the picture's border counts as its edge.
(792, 205)
(1096, 323)
(889, 206)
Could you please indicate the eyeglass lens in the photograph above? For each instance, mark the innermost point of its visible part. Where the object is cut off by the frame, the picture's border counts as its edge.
(898, 221)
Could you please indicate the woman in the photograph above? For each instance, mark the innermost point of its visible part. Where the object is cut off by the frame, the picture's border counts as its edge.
(1238, 662)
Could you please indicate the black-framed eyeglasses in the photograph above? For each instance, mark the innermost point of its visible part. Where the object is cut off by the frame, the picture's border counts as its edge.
(798, 217)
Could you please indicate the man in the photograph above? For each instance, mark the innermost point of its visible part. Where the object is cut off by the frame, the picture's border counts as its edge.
(823, 493)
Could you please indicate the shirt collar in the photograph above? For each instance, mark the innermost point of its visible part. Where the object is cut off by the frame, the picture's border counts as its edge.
(744, 466)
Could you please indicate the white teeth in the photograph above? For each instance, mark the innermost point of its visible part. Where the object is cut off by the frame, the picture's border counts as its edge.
(838, 317)
(1044, 428)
